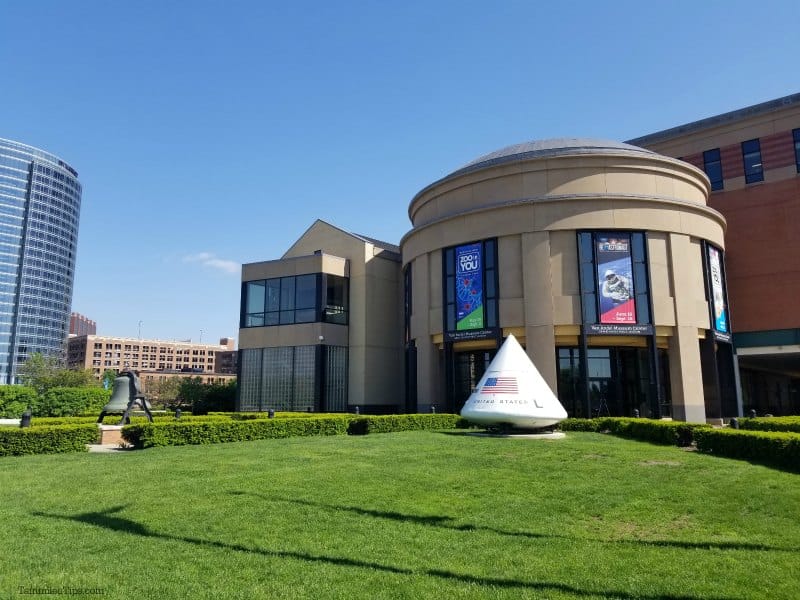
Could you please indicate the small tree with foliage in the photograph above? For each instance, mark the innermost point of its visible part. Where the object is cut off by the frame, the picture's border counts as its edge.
(43, 372)
(205, 398)
(163, 392)
(14, 399)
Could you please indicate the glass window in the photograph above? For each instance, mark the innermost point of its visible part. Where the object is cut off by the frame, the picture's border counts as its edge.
(712, 165)
(751, 155)
(282, 301)
(306, 292)
(287, 293)
(335, 299)
(273, 293)
(796, 136)
(305, 315)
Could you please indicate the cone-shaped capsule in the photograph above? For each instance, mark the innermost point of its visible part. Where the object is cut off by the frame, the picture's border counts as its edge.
(513, 392)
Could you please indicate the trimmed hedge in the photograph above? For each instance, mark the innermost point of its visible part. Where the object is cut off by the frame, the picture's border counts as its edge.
(672, 433)
(221, 428)
(15, 441)
(389, 423)
(771, 424)
(774, 448)
(574, 424)
(214, 431)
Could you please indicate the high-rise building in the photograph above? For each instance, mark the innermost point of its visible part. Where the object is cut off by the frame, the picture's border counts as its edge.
(81, 325)
(40, 200)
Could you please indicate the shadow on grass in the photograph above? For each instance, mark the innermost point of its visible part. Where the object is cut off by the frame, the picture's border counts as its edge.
(450, 523)
(109, 520)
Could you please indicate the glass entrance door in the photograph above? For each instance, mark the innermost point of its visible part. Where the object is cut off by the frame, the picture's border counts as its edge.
(468, 368)
(619, 382)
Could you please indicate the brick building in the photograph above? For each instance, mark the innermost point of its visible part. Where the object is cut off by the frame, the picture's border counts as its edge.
(752, 158)
(101, 353)
(81, 325)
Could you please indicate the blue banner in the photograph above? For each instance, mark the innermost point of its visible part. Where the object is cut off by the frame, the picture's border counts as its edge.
(718, 290)
(469, 287)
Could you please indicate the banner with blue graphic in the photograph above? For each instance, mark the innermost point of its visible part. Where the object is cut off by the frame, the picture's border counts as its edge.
(615, 279)
(717, 289)
(469, 287)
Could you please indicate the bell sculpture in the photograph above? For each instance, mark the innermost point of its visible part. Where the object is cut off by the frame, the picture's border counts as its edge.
(125, 396)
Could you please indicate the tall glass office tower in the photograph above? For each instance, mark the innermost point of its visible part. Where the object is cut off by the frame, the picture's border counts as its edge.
(40, 201)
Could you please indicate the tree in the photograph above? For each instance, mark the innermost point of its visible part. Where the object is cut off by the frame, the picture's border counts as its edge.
(192, 389)
(205, 398)
(39, 371)
(43, 372)
(164, 391)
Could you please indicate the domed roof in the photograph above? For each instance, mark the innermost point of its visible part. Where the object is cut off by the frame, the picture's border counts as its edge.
(551, 147)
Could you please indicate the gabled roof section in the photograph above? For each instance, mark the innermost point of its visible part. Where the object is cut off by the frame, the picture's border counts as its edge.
(378, 243)
(384, 249)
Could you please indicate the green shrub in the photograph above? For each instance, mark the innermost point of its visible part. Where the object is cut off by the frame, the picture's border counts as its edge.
(573, 424)
(14, 399)
(388, 423)
(215, 397)
(278, 415)
(774, 448)
(63, 401)
(46, 440)
(222, 428)
(138, 417)
(215, 430)
(674, 433)
(771, 424)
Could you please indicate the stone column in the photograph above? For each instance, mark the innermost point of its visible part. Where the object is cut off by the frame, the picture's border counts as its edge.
(538, 295)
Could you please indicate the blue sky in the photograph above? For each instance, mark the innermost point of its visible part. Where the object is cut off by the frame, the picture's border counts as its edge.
(211, 134)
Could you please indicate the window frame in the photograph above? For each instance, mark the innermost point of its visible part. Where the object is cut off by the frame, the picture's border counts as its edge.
(713, 158)
(489, 281)
(752, 161)
(292, 300)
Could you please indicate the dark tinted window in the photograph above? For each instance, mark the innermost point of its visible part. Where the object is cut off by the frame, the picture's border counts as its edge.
(751, 155)
(712, 165)
(796, 135)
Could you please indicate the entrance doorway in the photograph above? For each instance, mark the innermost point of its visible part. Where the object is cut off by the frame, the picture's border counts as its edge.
(619, 382)
(467, 369)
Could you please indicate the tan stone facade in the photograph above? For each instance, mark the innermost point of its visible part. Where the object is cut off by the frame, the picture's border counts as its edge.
(336, 364)
(538, 212)
(534, 201)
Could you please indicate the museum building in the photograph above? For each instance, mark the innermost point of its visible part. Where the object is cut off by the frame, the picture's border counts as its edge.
(603, 259)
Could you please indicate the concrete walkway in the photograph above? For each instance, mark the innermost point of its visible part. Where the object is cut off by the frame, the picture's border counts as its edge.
(108, 448)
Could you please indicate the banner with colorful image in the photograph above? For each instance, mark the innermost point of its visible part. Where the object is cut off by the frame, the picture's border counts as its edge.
(615, 278)
(717, 289)
(469, 287)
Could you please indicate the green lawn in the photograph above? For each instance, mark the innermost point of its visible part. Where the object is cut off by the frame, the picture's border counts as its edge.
(405, 515)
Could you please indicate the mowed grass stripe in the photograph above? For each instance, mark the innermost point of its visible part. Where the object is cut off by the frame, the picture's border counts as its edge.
(414, 515)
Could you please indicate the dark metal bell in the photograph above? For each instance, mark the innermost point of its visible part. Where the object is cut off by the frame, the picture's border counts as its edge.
(120, 396)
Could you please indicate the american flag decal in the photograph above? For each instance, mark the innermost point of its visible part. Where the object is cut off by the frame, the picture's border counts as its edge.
(500, 385)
